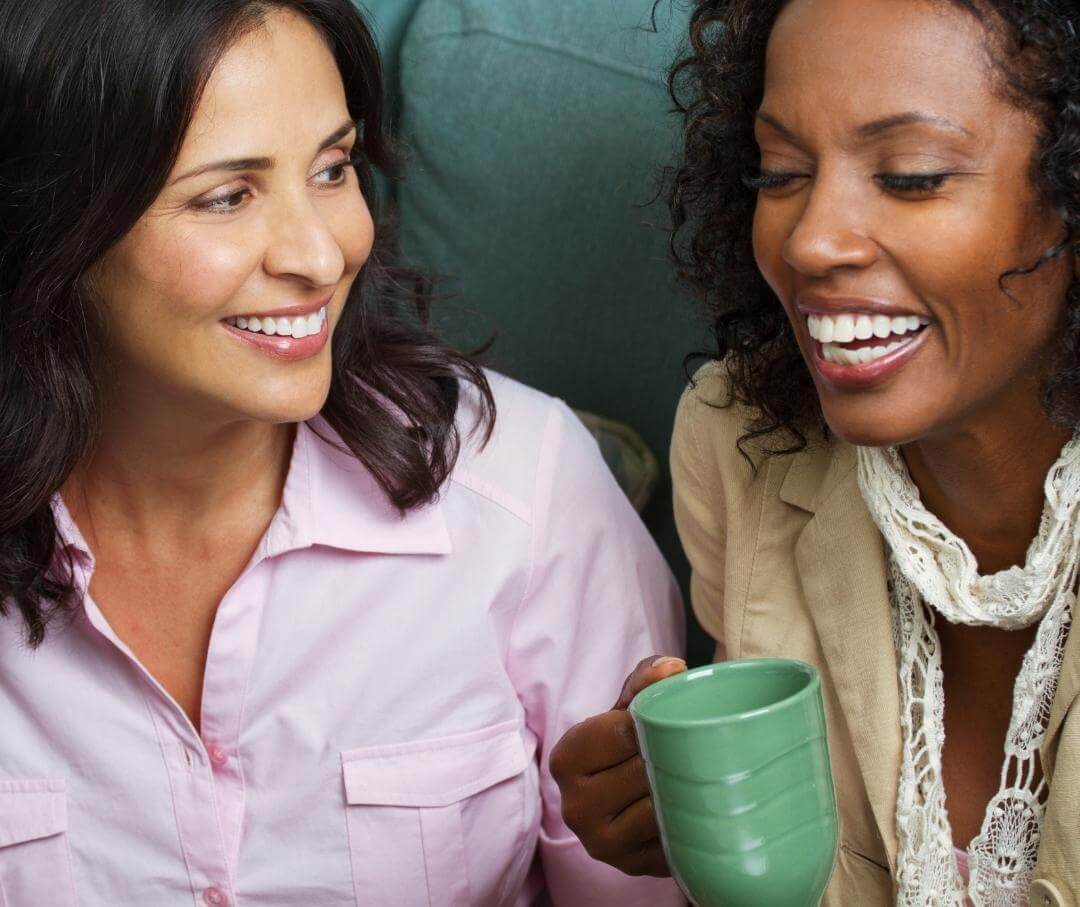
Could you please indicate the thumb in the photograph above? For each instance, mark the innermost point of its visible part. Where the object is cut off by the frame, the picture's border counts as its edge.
(647, 673)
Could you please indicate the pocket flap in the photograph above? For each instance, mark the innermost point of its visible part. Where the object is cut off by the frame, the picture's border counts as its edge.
(30, 810)
(434, 772)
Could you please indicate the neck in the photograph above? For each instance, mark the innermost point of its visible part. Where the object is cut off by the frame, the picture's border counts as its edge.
(985, 479)
(158, 467)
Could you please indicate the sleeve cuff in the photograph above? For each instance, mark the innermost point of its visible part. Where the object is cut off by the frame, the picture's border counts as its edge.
(574, 878)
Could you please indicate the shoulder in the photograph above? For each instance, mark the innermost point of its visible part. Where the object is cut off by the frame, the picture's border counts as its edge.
(709, 425)
(708, 422)
(537, 443)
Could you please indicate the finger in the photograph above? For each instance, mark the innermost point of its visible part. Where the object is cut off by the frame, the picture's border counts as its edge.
(635, 825)
(648, 672)
(639, 836)
(627, 782)
(621, 842)
(647, 860)
(594, 745)
(608, 794)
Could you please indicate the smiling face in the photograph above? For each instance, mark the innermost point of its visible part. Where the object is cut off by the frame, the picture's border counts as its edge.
(224, 296)
(895, 189)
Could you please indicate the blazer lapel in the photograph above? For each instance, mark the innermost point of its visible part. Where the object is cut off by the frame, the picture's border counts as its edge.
(841, 560)
(1068, 689)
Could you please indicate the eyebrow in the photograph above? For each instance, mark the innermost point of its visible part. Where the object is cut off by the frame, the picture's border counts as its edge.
(877, 127)
(263, 163)
(911, 118)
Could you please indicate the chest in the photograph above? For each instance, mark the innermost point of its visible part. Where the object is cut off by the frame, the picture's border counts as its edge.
(163, 609)
(336, 713)
(979, 668)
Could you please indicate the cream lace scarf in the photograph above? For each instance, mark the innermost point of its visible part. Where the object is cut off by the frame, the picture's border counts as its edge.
(930, 566)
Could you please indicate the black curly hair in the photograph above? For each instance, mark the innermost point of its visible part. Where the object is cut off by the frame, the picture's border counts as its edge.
(718, 86)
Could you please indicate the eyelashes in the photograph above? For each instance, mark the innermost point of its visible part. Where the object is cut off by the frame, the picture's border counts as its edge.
(899, 183)
(913, 182)
(768, 179)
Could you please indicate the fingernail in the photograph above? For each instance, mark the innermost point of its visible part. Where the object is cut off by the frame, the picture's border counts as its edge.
(664, 659)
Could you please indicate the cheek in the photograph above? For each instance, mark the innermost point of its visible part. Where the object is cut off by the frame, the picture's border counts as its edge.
(770, 231)
(957, 268)
(189, 276)
(354, 231)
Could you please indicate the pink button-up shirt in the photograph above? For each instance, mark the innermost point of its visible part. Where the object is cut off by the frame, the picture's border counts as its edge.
(380, 699)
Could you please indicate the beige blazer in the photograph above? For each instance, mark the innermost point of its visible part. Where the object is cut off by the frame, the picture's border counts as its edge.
(787, 562)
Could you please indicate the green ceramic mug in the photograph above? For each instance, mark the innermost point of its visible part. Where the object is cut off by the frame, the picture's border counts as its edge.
(738, 762)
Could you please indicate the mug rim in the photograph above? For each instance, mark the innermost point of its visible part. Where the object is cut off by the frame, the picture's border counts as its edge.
(652, 692)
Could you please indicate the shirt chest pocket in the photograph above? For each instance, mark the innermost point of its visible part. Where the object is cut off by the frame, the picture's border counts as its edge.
(437, 822)
(35, 862)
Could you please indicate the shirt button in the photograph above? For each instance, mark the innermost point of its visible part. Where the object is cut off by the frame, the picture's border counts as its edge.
(218, 756)
(1044, 893)
(215, 897)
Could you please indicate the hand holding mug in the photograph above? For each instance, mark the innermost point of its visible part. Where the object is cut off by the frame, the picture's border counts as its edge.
(738, 762)
(605, 790)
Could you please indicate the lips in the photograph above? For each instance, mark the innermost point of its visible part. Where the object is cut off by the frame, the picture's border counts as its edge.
(863, 363)
(282, 346)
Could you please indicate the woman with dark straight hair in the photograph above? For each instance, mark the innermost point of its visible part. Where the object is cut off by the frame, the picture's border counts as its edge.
(285, 615)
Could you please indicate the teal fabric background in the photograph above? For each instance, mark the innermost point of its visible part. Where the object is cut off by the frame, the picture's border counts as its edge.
(389, 19)
(538, 130)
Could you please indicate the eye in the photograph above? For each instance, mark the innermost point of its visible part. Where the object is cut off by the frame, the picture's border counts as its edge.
(770, 179)
(223, 204)
(335, 174)
(912, 183)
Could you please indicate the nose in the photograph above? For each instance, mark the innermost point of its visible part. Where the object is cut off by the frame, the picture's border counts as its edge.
(303, 247)
(832, 232)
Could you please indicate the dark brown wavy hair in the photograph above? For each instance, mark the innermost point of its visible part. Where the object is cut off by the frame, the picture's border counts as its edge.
(95, 99)
(718, 87)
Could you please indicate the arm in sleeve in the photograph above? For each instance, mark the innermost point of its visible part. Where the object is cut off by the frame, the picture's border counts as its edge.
(600, 598)
(700, 514)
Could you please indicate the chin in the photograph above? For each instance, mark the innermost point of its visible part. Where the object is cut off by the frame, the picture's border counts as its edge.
(874, 428)
(284, 404)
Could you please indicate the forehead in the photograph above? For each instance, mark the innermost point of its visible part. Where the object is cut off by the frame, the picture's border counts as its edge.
(853, 61)
(277, 83)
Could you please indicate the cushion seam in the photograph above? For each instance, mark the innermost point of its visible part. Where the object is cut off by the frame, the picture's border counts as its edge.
(638, 72)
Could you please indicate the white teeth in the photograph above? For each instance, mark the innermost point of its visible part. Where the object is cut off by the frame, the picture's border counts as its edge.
(830, 352)
(299, 327)
(844, 329)
(848, 327)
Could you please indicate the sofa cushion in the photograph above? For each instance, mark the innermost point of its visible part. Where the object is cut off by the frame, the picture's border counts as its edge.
(538, 129)
(388, 20)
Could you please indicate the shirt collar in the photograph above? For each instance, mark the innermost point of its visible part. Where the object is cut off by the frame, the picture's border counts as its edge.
(330, 499)
(69, 536)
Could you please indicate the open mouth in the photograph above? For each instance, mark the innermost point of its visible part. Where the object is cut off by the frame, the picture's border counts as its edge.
(853, 339)
(299, 327)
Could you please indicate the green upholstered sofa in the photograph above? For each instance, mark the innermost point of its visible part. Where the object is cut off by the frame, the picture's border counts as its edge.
(538, 130)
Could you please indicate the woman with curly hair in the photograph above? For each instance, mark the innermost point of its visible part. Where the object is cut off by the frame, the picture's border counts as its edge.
(879, 473)
(286, 615)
